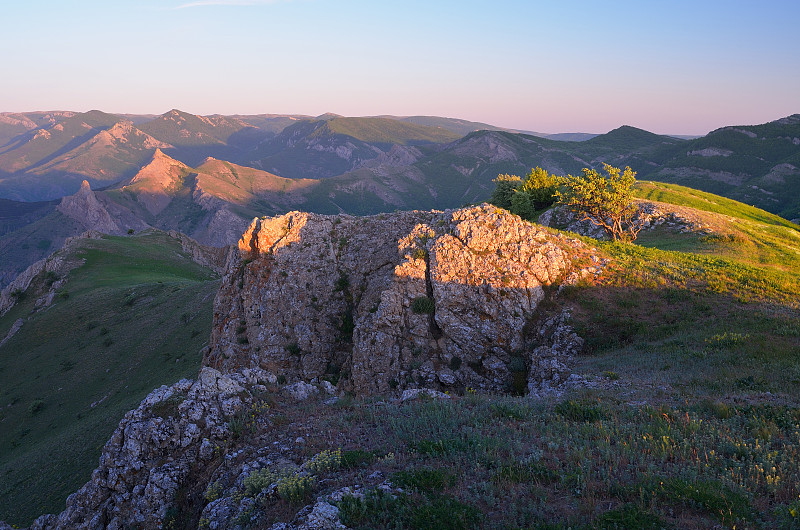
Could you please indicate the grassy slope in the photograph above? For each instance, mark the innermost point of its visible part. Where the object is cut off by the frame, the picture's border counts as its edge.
(385, 131)
(692, 419)
(32, 242)
(87, 361)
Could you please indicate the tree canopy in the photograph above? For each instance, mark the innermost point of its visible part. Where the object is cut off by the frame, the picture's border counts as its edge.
(606, 200)
(525, 197)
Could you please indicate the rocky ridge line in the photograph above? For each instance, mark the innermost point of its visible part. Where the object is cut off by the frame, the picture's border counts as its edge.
(416, 302)
(389, 302)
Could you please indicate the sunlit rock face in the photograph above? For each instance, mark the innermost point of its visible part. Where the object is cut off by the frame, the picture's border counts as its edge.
(84, 207)
(375, 304)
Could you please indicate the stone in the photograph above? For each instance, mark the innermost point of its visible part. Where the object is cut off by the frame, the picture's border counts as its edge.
(323, 516)
(415, 393)
(389, 302)
(150, 455)
(300, 391)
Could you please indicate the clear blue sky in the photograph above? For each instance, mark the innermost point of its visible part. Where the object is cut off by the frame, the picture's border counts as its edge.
(671, 66)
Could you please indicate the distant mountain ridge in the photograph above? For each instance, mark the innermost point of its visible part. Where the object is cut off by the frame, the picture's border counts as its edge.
(207, 176)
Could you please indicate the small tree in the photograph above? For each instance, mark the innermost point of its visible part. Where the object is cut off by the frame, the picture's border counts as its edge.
(541, 186)
(524, 197)
(605, 200)
(505, 186)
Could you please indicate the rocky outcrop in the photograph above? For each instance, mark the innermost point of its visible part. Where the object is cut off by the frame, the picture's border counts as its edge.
(650, 215)
(153, 452)
(383, 303)
(224, 228)
(418, 302)
(157, 181)
(84, 208)
(51, 270)
(208, 256)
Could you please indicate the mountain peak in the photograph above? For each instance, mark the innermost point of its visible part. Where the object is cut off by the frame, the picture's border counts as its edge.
(328, 116)
(84, 208)
(155, 182)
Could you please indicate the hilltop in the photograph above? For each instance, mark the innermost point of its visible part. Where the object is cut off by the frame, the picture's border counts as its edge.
(323, 393)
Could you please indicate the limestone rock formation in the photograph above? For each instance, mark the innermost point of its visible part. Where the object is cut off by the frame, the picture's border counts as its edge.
(155, 183)
(152, 454)
(54, 267)
(211, 257)
(389, 302)
(84, 207)
(412, 303)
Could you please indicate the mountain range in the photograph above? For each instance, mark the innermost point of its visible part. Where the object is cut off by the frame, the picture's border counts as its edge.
(684, 344)
(207, 176)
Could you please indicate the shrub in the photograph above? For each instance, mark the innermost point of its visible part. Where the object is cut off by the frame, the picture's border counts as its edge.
(257, 481)
(342, 283)
(35, 407)
(214, 491)
(524, 197)
(628, 516)
(356, 458)
(296, 488)
(325, 461)
(541, 188)
(381, 510)
(423, 305)
(505, 186)
(424, 479)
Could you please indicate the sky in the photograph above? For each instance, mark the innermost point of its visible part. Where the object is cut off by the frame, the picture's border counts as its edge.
(667, 66)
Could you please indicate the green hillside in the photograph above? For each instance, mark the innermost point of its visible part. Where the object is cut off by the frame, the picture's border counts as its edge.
(47, 144)
(755, 164)
(386, 132)
(183, 129)
(134, 316)
(455, 125)
(34, 241)
(683, 196)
